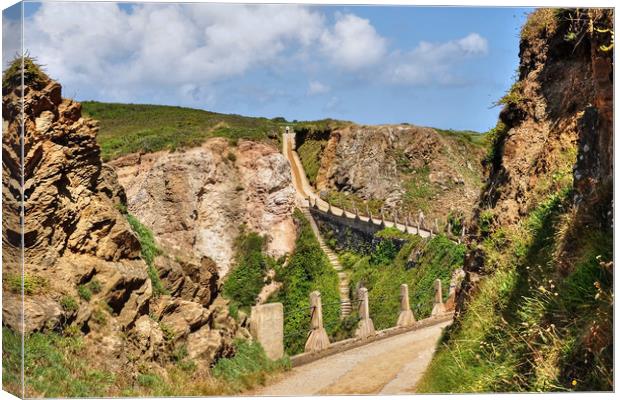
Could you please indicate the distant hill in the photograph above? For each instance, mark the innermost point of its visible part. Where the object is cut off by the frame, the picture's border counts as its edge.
(130, 128)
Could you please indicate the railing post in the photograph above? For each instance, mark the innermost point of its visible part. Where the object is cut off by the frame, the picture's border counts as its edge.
(365, 327)
(405, 318)
(438, 306)
(317, 340)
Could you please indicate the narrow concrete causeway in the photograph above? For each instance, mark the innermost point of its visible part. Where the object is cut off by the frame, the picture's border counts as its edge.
(389, 366)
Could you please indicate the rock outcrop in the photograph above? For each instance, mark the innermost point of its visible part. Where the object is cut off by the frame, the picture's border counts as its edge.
(405, 166)
(82, 261)
(196, 200)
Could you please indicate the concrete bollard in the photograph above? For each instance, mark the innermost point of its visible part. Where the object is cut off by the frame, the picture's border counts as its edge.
(365, 327)
(318, 339)
(405, 318)
(438, 306)
(267, 328)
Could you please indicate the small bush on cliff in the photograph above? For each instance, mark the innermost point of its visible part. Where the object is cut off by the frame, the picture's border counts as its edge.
(308, 270)
(149, 251)
(245, 282)
(32, 73)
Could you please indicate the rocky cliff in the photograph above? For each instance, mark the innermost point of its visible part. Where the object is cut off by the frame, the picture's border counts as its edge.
(536, 304)
(84, 267)
(399, 167)
(197, 200)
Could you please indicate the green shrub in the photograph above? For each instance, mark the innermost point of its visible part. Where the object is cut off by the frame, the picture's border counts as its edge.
(32, 74)
(149, 251)
(68, 303)
(308, 270)
(245, 281)
(85, 292)
(33, 284)
(248, 366)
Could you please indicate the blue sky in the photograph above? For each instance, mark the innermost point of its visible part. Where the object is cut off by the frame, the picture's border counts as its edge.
(440, 67)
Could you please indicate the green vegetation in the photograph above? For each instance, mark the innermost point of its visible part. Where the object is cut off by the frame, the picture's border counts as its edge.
(84, 292)
(246, 280)
(250, 363)
(495, 143)
(308, 270)
(55, 366)
(513, 97)
(33, 284)
(464, 136)
(538, 321)
(310, 155)
(130, 128)
(33, 75)
(539, 21)
(386, 269)
(418, 190)
(149, 251)
(68, 303)
(350, 201)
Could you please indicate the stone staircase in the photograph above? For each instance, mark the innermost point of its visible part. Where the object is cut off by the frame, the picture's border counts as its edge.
(343, 277)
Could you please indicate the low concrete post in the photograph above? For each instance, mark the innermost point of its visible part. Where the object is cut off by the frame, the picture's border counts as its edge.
(438, 306)
(365, 327)
(267, 328)
(405, 318)
(395, 216)
(357, 215)
(436, 226)
(367, 210)
(329, 208)
(318, 339)
(449, 228)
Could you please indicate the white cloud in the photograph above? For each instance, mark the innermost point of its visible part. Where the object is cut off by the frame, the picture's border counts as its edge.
(316, 87)
(162, 44)
(434, 62)
(353, 43)
(179, 53)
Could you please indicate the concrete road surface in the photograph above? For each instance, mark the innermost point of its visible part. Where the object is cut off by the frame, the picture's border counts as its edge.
(389, 366)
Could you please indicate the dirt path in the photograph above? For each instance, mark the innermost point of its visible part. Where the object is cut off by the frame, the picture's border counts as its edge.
(389, 366)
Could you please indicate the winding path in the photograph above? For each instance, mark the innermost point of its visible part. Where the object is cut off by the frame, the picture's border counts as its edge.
(388, 366)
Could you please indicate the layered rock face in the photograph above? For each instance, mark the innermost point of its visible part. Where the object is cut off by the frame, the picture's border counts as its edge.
(558, 121)
(557, 134)
(197, 200)
(378, 162)
(82, 260)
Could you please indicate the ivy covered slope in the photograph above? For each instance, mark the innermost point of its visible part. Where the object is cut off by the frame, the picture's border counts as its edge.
(535, 310)
(308, 269)
(417, 263)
